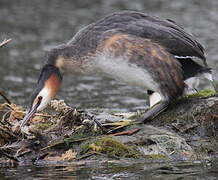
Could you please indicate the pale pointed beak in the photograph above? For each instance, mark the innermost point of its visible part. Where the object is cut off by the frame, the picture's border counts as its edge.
(31, 112)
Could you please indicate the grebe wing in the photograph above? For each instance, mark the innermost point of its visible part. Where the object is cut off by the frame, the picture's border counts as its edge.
(163, 31)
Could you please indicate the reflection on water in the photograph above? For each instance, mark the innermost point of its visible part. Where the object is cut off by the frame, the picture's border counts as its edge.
(107, 171)
(35, 26)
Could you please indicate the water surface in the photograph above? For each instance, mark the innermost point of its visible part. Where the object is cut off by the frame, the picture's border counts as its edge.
(36, 26)
(196, 170)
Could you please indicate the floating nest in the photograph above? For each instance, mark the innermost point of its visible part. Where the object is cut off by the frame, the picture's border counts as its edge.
(58, 135)
(68, 134)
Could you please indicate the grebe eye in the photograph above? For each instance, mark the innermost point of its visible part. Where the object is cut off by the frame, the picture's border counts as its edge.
(39, 100)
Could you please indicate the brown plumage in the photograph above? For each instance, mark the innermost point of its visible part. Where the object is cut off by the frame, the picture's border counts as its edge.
(162, 66)
(53, 83)
(136, 48)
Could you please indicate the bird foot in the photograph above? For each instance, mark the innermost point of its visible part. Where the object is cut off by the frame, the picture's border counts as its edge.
(154, 111)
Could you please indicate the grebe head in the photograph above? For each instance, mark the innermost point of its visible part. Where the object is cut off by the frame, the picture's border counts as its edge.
(47, 87)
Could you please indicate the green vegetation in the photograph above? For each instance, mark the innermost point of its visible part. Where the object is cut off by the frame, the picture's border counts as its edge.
(202, 93)
(155, 156)
(42, 126)
(110, 147)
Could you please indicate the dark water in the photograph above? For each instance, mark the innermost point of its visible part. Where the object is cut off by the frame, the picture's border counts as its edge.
(38, 25)
(107, 171)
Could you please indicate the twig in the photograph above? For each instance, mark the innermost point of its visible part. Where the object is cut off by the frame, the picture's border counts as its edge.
(23, 153)
(6, 41)
(126, 133)
(4, 119)
(103, 129)
(8, 156)
(91, 153)
(41, 157)
(62, 142)
(10, 146)
(43, 115)
(36, 114)
(7, 132)
(214, 115)
(4, 97)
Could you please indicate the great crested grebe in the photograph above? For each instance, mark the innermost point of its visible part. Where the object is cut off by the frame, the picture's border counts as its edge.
(141, 50)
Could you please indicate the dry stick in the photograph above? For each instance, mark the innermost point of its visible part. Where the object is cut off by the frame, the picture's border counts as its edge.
(88, 154)
(214, 115)
(3, 43)
(41, 157)
(63, 142)
(7, 132)
(6, 41)
(5, 98)
(4, 119)
(9, 156)
(126, 133)
(100, 126)
(36, 114)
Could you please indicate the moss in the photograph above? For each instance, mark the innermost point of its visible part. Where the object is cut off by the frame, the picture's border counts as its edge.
(114, 111)
(202, 93)
(79, 135)
(155, 156)
(109, 146)
(71, 140)
(43, 125)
